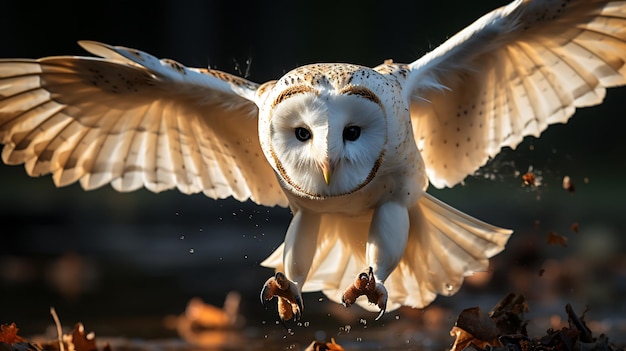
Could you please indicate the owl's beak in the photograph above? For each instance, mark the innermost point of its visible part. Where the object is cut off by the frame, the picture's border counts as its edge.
(327, 171)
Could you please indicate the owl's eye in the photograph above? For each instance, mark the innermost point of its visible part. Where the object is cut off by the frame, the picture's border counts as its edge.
(351, 133)
(303, 134)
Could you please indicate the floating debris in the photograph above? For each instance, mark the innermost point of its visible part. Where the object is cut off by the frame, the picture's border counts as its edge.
(568, 184)
(553, 238)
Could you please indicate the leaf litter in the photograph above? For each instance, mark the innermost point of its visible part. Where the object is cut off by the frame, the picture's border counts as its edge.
(503, 328)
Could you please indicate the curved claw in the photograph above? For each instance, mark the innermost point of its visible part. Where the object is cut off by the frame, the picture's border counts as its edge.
(380, 314)
(300, 306)
(290, 304)
(378, 296)
(267, 293)
(366, 284)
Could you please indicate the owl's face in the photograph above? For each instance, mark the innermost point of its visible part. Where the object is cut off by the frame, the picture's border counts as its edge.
(327, 142)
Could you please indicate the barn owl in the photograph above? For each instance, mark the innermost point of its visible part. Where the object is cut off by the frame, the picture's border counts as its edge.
(351, 150)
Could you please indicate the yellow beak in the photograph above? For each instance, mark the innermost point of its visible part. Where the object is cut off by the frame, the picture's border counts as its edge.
(327, 171)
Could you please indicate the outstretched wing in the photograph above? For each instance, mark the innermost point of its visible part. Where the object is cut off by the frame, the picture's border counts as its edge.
(510, 74)
(133, 120)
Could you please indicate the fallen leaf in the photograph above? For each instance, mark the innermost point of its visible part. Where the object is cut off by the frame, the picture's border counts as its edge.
(80, 340)
(555, 239)
(474, 327)
(8, 334)
(322, 346)
(528, 179)
(209, 326)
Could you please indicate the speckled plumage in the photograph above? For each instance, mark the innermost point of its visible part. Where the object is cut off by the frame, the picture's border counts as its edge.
(350, 149)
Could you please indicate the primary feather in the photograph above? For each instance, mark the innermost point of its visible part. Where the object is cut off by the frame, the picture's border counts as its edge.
(510, 74)
(134, 121)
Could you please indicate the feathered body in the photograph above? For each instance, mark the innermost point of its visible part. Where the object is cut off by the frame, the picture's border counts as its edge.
(350, 149)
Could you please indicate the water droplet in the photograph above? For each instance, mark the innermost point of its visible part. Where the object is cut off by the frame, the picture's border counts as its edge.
(177, 213)
(397, 317)
(359, 339)
(363, 321)
(182, 237)
(306, 324)
(200, 229)
(191, 251)
(245, 257)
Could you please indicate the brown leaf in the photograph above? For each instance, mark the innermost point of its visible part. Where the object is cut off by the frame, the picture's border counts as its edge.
(555, 239)
(8, 334)
(82, 341)
(322, 346)
(508, 314)
(528, 179)
(474, 327)
(77, 340)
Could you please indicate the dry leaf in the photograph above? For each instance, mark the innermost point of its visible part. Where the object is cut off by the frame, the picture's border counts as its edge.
(209, 326)
(474, 327)
(528, 179)
(321, 346)
(8, 334)
(80, 340)
(555, 239)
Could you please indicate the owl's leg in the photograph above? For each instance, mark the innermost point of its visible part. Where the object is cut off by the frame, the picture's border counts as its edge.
(386, 242)
(300, 244)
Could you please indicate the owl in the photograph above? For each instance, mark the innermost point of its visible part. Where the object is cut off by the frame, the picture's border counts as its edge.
(351, 150)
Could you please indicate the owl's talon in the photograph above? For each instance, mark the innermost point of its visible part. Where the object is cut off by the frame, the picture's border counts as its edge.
(366, 284)
(290, 304)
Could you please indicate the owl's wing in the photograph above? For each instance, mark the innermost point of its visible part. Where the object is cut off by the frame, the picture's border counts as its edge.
(510, 74)
(132, 120)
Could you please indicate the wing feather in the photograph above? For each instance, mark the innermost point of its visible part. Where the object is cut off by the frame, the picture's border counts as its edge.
(132, 120)
(510, 74)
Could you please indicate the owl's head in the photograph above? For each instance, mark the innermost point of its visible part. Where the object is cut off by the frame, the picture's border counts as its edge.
(327, 134)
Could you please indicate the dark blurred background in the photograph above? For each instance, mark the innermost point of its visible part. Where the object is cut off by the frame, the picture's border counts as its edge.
(121, 262)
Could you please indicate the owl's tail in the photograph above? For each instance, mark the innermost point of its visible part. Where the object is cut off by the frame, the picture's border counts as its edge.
(444, 245)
